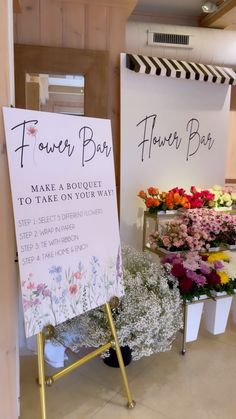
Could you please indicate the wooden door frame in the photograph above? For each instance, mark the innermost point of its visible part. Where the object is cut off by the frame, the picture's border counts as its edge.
(93, 65)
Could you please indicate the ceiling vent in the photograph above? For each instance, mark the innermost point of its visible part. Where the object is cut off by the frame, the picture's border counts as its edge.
(206, 46)
(169, 39)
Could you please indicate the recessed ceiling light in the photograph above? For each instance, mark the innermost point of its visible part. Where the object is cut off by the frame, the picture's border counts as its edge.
(209, 7)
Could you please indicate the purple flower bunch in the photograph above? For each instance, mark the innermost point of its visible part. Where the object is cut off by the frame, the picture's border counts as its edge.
(198, 274)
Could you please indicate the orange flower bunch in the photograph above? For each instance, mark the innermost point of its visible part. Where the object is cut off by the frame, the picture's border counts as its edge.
(175, 200)
(152, 199)
(162, 201)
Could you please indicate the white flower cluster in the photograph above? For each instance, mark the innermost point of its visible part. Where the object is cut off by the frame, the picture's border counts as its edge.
(230, 267)
(224, 197)
(147, 319)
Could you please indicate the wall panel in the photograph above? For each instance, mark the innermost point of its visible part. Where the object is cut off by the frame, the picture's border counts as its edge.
(51, 23)
(28, 22)
(231, 152)
(96, 33)
(89, 24)
(8, 277)
(73, 25)
(117, 20)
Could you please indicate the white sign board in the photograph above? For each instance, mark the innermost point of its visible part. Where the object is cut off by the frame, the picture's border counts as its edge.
(63, 190)
(173, 133)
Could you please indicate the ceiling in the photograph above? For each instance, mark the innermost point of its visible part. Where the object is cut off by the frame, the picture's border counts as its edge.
(171, 7)
(224, 17)
(184, 12)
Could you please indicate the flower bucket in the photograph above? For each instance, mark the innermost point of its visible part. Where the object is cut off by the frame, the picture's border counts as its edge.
(166, 251)
(167, 212)
(223, 208)
(166, 216)
(112, 360)
(231, 246)
(193, 319)
(54, 354)
(216, 313)
(214, 249)
(234, 307)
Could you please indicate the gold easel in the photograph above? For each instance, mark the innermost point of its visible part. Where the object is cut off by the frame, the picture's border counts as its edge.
(48, 381)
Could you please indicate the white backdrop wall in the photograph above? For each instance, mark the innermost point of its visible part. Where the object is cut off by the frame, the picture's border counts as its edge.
(173, 133)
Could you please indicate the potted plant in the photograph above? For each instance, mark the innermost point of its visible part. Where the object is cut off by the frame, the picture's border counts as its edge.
(147, 318)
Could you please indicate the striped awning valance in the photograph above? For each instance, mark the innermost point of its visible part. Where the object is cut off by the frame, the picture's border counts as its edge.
(180, 69)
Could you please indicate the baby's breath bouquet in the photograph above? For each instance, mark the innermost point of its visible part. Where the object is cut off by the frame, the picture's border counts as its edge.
(147, 318)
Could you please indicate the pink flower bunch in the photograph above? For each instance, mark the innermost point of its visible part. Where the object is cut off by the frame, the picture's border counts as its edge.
(178, 235)
(200, 199)
(195, 230)
(228, 235)
(228, 189)
(210, 225)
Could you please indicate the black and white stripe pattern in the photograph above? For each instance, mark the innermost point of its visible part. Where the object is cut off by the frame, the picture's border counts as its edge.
(180, 69)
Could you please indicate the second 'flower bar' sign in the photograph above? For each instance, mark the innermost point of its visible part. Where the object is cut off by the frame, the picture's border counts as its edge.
(173, 133)
(63, 189)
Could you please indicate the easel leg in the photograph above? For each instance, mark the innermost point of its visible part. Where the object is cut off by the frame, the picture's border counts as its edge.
(184, 328)
(131, 402)
(41, 373)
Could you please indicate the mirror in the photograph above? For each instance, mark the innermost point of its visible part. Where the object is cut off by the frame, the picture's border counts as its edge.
(55, 93)
(81, 75)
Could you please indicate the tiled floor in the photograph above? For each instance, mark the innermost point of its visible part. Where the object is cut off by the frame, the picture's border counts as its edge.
(199, 385)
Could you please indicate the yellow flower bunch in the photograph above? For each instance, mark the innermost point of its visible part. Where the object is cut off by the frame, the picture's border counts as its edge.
(224, 277)
(213, 257)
